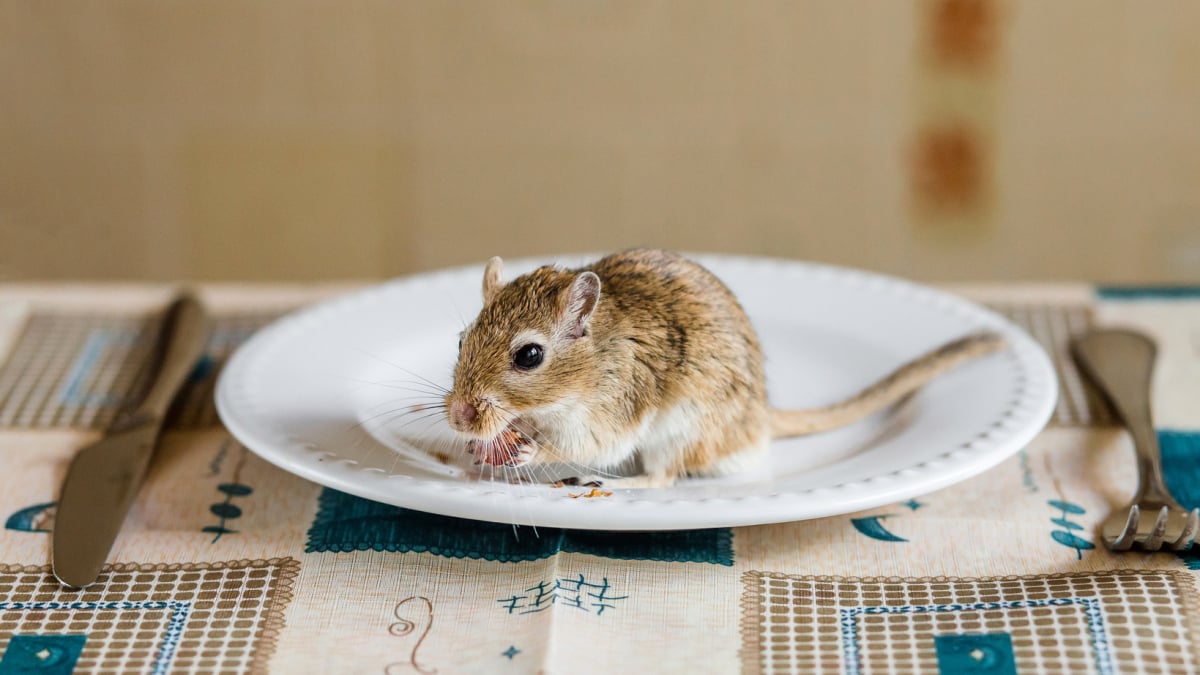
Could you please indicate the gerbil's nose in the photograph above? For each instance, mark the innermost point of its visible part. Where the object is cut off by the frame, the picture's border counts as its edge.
(462, 414)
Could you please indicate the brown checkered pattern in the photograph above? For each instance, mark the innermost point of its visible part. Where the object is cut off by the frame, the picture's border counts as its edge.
(798, 623)
(72, 371)
(1053, 326)
(185, 617)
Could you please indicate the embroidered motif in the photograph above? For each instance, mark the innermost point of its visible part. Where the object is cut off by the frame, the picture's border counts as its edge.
(873, 528)
(1067, 536)
(578, 593)
(404, 627)
(36, 518)
(226, 510)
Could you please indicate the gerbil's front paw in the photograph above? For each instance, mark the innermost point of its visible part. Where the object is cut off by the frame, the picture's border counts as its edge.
(511, 448)
(520, 456)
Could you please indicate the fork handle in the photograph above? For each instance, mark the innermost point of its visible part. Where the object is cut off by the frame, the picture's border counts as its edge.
(1121, 364)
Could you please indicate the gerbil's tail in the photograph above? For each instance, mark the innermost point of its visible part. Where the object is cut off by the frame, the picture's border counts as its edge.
(905, 380)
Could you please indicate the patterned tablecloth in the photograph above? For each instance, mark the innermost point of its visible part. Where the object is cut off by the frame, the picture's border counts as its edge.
(227, 564)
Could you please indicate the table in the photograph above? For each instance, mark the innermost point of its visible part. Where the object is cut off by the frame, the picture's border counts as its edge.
(227, 564)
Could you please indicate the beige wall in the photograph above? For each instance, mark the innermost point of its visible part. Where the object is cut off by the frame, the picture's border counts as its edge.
(944, 139)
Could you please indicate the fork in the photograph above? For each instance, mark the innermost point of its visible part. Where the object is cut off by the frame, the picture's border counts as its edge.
(1120, 363)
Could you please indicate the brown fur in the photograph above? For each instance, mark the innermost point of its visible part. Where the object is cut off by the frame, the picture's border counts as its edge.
(664, 333)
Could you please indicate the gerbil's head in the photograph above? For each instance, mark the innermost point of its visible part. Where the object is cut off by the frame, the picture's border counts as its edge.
(529, 349)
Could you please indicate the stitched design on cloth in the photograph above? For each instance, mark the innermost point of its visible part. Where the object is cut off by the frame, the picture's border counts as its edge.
(177, 615)
(1066, 534)
(1057, 623)
(202, 617)
(1095, 623)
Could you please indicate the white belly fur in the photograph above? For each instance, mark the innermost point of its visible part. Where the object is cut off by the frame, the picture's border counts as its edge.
(659, 440)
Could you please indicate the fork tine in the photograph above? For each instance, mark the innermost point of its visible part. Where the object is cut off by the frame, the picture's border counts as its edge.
(1120, 364)
(1124, 541)
(1154, 540)
(1188, 536)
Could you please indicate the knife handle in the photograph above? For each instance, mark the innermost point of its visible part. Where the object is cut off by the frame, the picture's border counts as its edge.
(179, 349)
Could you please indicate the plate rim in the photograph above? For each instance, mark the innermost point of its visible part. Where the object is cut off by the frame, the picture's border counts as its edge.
(1039, 381)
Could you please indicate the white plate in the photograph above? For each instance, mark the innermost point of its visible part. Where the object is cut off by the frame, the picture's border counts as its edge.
(312, 393)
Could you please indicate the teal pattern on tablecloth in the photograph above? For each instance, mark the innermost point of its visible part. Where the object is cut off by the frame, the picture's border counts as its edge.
(348, 523)
(1149, 292)
(41, 654)
(1181, 464)
(1181, 467)
(973, 654)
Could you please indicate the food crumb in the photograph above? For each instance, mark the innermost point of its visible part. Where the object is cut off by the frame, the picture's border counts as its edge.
(595, 492)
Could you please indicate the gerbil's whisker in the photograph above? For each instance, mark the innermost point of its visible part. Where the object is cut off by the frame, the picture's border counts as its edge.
(457, 311)
(417, 397)
(397, 366)
(407, 423)
(387, 384)
(403, 410)
(426, 380)
(418, 391)
(418, 387)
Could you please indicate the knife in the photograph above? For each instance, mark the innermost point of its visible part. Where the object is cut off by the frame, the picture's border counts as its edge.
(104, 477)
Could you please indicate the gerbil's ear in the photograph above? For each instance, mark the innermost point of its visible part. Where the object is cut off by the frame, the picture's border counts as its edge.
(492, 282)
(581, 302)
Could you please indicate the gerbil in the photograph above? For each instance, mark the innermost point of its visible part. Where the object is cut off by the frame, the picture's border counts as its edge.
(641, 355)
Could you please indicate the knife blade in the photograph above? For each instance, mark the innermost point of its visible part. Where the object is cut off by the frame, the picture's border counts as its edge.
(103, 478)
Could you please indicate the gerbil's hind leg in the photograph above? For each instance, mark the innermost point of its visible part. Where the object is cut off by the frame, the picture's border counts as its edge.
(737, 462)
(713, 465)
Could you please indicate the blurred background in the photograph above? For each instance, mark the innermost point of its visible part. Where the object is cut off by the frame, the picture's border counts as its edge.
(294, 140)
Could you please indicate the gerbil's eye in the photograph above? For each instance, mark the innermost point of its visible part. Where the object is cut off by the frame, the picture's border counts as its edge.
(529, 357)
(460, 338)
